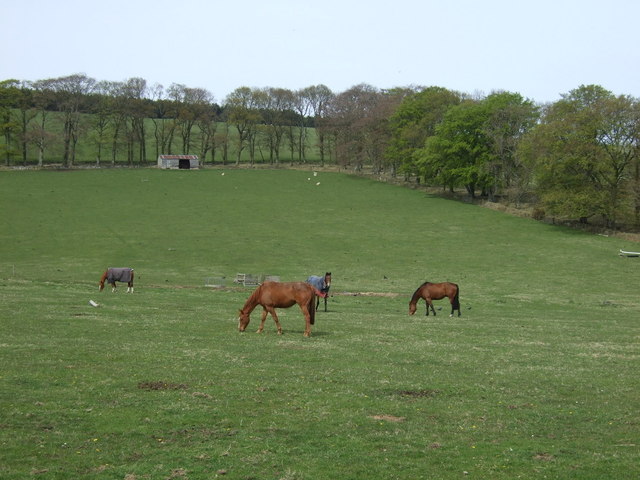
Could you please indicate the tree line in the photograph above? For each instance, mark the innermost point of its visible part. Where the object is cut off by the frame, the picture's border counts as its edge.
(577, 157)
(131, 122)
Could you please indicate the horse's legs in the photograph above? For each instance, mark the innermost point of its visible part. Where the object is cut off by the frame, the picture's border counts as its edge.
(272, 311)
(113, 287)
(430, 304)
(130, 287)
(325, 302)
(317, 303)
(262, 319)
(307, 320)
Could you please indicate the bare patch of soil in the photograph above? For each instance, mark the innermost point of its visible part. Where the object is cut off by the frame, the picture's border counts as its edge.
(333, 294)
(366, 294)
(389, 418)
(202, 395)
(418, 393)
(171, 285)
(162, 386)
(544, 457)
(178, 473)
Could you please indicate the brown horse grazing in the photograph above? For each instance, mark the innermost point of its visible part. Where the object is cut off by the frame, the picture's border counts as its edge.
(113, 275)
(272, 295)
(436, 291)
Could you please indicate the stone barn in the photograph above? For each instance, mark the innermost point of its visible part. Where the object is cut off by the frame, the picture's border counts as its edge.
(182, 162)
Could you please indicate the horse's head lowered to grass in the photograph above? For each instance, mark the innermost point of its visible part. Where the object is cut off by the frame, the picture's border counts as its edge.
(436, 291)
(272, 295)
(113, 275)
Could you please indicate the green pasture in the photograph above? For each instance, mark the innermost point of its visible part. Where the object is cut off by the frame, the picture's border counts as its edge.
(537, 379)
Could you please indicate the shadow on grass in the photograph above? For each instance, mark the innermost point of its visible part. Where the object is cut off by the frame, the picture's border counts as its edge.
(288, 333)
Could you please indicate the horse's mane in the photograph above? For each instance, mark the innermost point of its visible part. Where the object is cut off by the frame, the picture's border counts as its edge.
(416, 294)
(253, 299)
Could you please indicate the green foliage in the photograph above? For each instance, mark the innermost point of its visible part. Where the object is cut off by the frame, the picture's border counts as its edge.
(458, 149)
(415, 120)
(475, 144)
(537, 379)
(589, 155)
(573, 203)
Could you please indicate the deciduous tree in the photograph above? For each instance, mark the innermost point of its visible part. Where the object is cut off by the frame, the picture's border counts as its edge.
(243, 114)
(9, 93)
(414, 121)
(585, 155)
(71, 91)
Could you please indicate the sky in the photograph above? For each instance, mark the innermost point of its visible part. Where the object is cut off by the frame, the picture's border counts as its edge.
(540, 49)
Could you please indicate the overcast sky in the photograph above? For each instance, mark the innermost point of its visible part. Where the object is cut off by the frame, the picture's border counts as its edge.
(540, 49)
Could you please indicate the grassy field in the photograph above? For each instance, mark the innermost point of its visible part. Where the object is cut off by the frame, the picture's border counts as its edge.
(537, 379)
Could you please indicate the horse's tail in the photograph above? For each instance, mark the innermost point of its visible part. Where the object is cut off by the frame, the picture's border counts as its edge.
(456, 299)
(311, 306)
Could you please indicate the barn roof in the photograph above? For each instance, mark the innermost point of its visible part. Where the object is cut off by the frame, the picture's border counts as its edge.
(178, 157)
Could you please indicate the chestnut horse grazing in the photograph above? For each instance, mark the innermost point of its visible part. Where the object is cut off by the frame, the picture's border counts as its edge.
(113, 275)
(436, 291)
(322, 284)
(272, 295)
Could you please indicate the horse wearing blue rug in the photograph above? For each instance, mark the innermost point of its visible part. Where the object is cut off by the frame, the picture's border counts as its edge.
(322, 285)
(113, 275)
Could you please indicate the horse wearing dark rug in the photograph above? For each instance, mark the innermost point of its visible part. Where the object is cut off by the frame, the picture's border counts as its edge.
(272, 295)
(113, 275)
(322, 284)
(436, 291)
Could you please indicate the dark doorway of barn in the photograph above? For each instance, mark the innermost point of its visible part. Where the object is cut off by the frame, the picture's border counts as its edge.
(184, 164)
